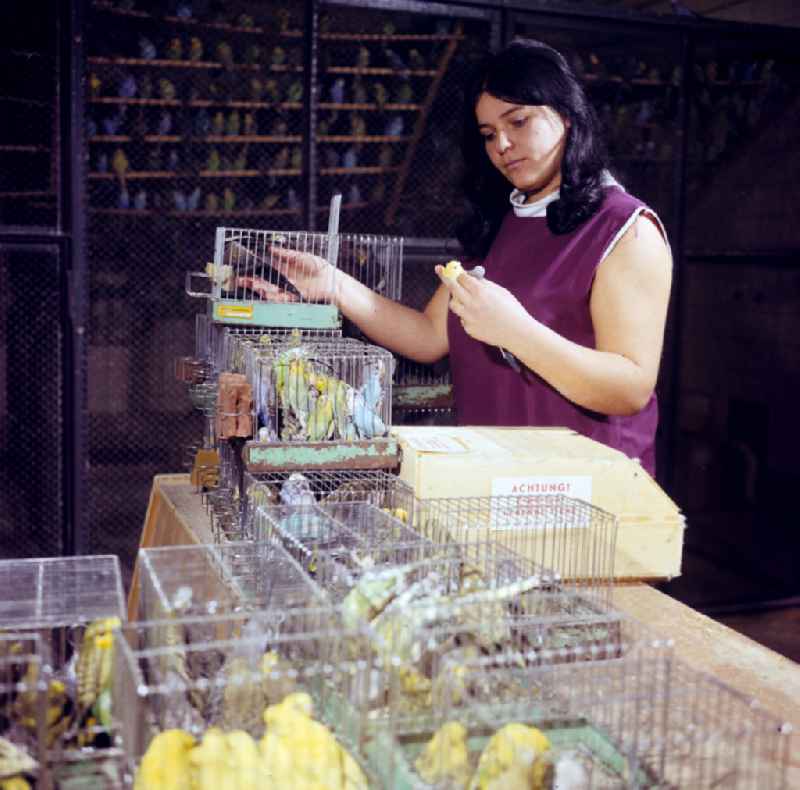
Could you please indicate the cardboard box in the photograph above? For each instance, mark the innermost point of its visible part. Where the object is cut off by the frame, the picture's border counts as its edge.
(481, 462)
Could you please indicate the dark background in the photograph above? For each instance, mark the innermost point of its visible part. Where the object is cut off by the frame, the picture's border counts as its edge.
(700, 111)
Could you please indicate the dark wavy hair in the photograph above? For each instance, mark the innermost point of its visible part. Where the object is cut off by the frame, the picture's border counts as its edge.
(529, 72)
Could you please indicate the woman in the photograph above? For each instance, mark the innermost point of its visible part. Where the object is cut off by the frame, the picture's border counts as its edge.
(577, 271)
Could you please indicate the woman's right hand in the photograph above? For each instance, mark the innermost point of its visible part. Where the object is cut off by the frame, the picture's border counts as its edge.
(311, 275)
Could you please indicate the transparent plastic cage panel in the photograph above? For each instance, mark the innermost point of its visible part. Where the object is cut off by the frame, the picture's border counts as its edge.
(249, 264)
(208, 579)
(60, 591)
(212, 674)
(573, 538)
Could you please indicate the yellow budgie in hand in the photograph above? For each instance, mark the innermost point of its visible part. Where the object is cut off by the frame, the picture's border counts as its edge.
(165, 765)
(515, 758)
(445, 757)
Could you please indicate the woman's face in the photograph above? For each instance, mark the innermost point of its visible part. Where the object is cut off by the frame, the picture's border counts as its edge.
(524, 142)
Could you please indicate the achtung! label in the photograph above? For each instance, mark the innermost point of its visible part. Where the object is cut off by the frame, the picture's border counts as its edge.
(529, 513)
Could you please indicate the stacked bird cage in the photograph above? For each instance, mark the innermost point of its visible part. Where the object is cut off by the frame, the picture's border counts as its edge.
(252, 279)
(352, 533)
(192, 580)
(642, 720)
(574, 539)
(65, 610)
(325, 486)
(275, 699)
(323, 391)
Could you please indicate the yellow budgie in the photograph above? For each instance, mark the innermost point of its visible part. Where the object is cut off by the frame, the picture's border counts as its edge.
(165, 765)
(302, 753)
(445, 757)
(210, 762)
(515, 758)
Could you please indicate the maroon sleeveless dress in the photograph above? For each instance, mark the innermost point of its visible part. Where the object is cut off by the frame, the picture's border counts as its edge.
(552, 277)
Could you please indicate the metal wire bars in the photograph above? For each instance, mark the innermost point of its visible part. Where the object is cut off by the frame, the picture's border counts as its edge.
(570, 537)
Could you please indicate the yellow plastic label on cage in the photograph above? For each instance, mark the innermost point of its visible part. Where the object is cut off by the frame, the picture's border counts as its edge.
(235, 311)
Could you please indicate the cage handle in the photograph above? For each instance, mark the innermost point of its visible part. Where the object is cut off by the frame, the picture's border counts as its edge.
(197, 294)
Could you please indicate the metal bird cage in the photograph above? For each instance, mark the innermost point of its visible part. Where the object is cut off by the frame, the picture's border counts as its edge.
(351, 532)
(642, 720)
(64, 611)
(441, 648)
(339, 390)
(199, 688)
(569, 536)
(193, 580)
(374, 486)
(250, 286)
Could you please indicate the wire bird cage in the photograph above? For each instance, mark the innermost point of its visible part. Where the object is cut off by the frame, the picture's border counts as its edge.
(242, 691)
(251, 285)
(374, 486)
(569, 536)
(337, 390)
(642, 720)
(191, 580)
(350, 532)
(66, 609)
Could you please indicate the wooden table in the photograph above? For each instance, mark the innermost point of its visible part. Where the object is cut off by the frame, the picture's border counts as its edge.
(176, 516)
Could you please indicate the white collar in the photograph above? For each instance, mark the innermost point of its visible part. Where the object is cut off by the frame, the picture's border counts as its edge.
(539, 207)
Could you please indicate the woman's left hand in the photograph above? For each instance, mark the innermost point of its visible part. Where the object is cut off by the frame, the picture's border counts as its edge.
(488, 312)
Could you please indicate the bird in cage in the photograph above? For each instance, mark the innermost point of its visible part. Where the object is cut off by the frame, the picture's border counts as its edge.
(166, 90)
(256, 88)
(195, 48)
(515, 756)
(272, 91)
(164, 123)
(218, 124)
(140, 200)
(174, 49)
(294, 93)
(147, 50)
(224, 54)
(193, 199)
(381, 94)
(228, 199)
(277, 56)
(233, 124)
(394, 126)
(250, 125)
(445, 758)
(337, 91)
(292, 734)
(166, 763)
(15, 764)
(127, 87)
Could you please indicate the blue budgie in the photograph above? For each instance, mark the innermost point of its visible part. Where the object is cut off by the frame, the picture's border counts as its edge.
(337, 91)
(140, 200)
(296, 491)
(193, 199)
